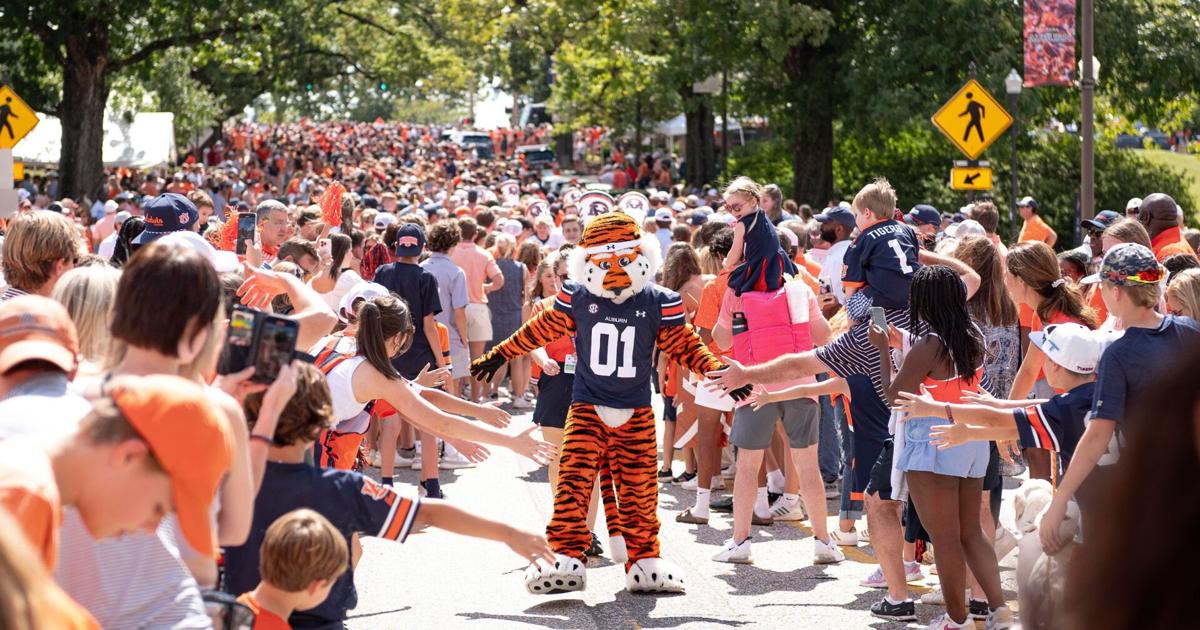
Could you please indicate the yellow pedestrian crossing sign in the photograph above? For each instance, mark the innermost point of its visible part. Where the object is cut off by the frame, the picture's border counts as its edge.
(16, 118)
(972, 119)
(971, 178)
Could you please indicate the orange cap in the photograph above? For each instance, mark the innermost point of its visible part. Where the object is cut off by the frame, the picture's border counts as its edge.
(189, 437)
(35, 327)
(462, 211)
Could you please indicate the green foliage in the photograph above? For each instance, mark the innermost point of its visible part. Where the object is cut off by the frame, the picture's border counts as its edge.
(766, 161)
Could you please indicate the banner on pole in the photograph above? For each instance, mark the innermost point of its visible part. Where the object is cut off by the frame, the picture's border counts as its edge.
(1049, 42)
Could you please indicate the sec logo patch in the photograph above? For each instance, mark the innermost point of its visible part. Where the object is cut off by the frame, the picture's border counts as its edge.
(593, 309)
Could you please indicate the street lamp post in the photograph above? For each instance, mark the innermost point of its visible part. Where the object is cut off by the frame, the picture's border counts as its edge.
(1087, 92)
(1012, 85)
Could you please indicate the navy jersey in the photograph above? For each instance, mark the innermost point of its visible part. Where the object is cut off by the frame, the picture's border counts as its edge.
(881, 263)
(352, 502)
(614, 343)
(1057, 424)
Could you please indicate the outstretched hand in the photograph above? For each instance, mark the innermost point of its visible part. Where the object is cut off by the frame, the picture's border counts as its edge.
(528, 545)
(484, 368)
(730, 377)
(260, 287)
(540, 452)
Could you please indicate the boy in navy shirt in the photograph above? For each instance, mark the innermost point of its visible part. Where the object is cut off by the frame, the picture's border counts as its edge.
(355, 504)
(1130, 283)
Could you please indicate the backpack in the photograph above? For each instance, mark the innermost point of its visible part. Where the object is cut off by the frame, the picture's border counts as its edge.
(772, 323)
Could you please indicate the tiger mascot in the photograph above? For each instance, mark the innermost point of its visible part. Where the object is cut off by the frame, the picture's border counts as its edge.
(618, 317)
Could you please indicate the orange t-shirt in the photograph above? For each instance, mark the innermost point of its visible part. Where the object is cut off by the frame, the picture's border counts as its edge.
(1096, 301)
(1034, 230)
(1170, 242)
(1028, 318)
(29, 493)
(444, 340)
(710, 308)
(263, 619)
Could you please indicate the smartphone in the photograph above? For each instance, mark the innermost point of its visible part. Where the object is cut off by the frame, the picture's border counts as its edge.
(276, 345)
(247, 224)
(878, 317)
(325, 247)
(239, 339)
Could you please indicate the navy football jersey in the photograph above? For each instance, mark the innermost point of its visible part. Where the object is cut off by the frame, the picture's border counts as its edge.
(614, 343)
(881, 262)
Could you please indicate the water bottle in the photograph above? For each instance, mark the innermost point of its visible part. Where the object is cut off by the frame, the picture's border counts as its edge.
(739, 323)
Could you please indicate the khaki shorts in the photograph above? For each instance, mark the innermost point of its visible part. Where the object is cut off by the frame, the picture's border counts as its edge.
(479, 323)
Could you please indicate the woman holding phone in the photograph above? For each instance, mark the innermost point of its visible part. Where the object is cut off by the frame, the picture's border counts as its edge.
(339, 269)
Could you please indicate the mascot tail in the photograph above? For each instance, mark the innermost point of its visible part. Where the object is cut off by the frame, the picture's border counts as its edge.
(612, 515)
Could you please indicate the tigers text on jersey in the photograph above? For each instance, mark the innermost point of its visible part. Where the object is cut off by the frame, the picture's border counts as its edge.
(615, 342)
(882, 261)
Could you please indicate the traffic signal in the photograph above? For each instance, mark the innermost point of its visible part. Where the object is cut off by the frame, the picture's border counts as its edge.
(383, 87)
(308, 87)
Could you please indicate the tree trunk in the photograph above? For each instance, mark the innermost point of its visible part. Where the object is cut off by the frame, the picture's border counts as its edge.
(812, 157)
(701, 153)
(85, 93)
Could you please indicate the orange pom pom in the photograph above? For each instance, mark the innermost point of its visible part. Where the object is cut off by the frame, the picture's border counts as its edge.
(227, 239)
(331, 204)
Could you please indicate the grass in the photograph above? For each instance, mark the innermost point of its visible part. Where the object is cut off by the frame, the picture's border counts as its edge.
(1189, 164)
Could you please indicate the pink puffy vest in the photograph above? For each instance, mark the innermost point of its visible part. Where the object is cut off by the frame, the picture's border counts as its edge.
(775, 323)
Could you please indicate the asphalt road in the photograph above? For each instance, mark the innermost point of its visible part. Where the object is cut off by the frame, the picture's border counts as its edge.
(440, 580)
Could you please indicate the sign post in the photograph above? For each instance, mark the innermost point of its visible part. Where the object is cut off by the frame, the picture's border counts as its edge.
(16, 120)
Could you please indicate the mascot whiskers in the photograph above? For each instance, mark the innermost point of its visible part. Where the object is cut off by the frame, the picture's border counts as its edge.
(618, 317)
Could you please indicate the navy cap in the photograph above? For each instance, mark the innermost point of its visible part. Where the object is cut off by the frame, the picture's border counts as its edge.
(166, 213)
(410, 240)
(698, 218)
(924, 214)
(837, 215)
(1102, 220)
(370, 202)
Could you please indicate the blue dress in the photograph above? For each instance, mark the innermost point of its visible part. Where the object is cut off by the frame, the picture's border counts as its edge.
(764, 263)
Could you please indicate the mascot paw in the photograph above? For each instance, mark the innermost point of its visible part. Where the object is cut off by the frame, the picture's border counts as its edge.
(619, 552)
(654, 575)
(741, 393)
(566, 574)
(485, 367)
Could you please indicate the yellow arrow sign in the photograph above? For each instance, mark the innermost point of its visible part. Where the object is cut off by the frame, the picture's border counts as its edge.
(18, 171)
(16, 118)
(971, 178)
(972, 119)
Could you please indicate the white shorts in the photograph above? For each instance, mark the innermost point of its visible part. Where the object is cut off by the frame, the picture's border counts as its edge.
(479, 323)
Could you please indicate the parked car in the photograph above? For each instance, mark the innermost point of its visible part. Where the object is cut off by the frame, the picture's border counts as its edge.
(1135, 141)
(481, 142)
(538, 158)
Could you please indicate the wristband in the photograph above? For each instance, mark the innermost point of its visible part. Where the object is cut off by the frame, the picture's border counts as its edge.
(949, 414)
(269, 441)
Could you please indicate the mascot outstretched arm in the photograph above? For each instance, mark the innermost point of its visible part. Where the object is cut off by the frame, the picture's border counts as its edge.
(618, 318)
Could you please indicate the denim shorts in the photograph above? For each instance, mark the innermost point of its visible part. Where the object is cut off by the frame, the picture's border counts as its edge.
(919, 454)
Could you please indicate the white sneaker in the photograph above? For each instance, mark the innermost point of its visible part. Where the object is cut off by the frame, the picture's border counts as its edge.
(937, 597)
(737, 553)
(521, 403)
(373, 459)
(690, 484)
(1000, 619)
(845, 539)
(717, 483)
(402, 460)
(912, 573)
(784, 510)
(945, 623)
(452, 460)
(826, 552)
(727, 472)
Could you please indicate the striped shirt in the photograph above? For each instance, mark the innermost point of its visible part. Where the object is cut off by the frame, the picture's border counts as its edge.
(10, 293)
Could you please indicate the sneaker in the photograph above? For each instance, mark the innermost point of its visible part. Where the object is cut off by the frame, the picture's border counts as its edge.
(717, 483)
(683, 477)
(772, 497)
(405, 457)
(723, 505)
(912, 573)
(453, 460)
(833, 490)
(664, 476)
(904, 611)
(521, 403)
(784, 510)
(690, 483)
(761, 521)
(946, 623)
(727, 472)
(937, 597)
(1000, 619)
(845, 539)
(737, 553)
(595, 549)
(373, 459)
(978, 610)
(826, 553)
(686, 516)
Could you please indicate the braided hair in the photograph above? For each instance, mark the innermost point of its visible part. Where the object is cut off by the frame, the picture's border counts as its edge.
(938, 299)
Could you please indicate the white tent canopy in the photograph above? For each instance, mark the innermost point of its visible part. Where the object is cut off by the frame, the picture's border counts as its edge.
(677, 126)
(147, 142)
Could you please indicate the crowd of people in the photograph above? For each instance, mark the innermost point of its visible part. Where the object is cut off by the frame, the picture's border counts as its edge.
(910, 365)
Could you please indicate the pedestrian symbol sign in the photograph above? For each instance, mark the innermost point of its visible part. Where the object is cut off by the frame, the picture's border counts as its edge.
(971, 178)
(972, 119)
(16, 118)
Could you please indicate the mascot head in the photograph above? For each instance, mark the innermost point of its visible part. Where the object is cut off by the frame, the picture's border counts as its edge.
(613, 259)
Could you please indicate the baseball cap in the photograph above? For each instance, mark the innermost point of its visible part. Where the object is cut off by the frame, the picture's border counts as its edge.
(383, 220)
(111, 206)
(1028, 201)
(410, 240)
(663, 214)
(925, 214)
(1128, 264)
(35, 327)
(360, 291)
(1133, 203)
(698, 218)
(189, 438)
(221, 261)
(1072, 346)
(1103, 219)
(969, 227)
(511, 227)
(368, 201)
(838, 215)
(123, 216)
(166, 213)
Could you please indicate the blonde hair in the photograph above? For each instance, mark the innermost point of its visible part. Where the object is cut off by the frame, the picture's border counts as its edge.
(745, 186)
(302, 547)
(879, 197)
(35, 241)
(1128, 230)
(88, 293)
(1144, 295)
(29, 598)
(504, 245)
(1185, 287)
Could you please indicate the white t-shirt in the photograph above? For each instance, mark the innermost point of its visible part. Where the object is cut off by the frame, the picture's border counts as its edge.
(832, 268)
(107, 246)
(347, 280)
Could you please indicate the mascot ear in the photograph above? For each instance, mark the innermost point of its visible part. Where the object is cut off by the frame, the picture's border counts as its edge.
(576, 264)
(651, 249)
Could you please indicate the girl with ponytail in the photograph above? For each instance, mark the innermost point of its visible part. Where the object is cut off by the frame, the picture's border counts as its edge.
(385, 330)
